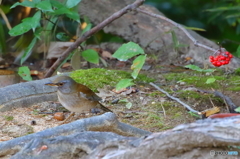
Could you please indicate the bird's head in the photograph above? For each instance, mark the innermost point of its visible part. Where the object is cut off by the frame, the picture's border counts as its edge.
(65, 84)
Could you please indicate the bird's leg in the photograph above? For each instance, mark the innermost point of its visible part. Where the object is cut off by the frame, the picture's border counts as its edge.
(95, 110)
(63, 122)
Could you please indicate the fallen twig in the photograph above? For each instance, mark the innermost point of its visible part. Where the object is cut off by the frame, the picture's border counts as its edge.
(174, 98)
(226, 99)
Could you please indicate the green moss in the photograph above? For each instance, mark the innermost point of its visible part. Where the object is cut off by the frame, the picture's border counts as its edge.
(237, 71)
(153, 94)
(8, 118)
(194, 95)
(98, 77)
(226, 82)
(234, 88)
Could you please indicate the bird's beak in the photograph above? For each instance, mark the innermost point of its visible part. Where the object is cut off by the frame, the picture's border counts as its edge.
(51, 84)
(54, 84)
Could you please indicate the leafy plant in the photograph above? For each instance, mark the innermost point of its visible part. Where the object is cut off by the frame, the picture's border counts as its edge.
(125, 52)
(228, 12)
(49, 10)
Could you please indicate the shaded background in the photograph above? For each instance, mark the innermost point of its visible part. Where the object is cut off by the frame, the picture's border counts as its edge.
(221, 24)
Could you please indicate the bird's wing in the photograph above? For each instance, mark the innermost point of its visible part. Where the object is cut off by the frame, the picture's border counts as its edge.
(85, 92)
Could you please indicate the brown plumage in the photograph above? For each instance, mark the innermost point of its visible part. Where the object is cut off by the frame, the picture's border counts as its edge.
(75, 96)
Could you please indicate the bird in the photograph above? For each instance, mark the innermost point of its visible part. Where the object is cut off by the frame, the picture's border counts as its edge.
(76, 97)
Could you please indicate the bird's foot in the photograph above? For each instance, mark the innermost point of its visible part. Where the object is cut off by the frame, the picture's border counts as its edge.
(95, 110)
(65, 121)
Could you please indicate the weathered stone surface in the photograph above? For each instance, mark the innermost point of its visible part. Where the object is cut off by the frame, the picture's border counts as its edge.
(151, 33)
(194, 140)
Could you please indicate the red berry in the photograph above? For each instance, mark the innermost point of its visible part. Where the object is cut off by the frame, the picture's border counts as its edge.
(228, 59)
(219, 63)
(223, 58)
(211, 57)
(227, 53)
(214, 62)
(226, 62)
(230, 56)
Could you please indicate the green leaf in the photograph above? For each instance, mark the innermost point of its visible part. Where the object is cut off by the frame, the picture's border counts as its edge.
(194, 28)
(174, 39)
(62, 36)
(210, 80)
(74, 15)
(233, 16)
(127, 51)
(224, 9)
(124, 83)
(176, 43)
(66, 11)
(25, 3)
(24, 72)
(38, 33)
(20, 29)
(123, 100)
(237, 109)
(72, 3)
(238, 51)
(194, 67)
(137, 65)
(35, 20)
(129, 105)
(26, 25)
(91, 55)
(45, 6)
(209, 70)
(194, 115)
(28, 51)
(56, 4)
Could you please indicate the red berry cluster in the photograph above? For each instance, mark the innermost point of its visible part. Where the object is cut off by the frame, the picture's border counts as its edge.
(221, 59)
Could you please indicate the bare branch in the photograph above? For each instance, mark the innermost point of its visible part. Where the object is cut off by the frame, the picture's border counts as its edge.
(91, 32)
(174, 98)
(180, 27)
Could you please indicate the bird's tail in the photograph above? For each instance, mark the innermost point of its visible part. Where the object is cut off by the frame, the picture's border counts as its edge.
(104, 108)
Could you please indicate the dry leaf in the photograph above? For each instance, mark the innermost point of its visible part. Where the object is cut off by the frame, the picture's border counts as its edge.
(106, 55)
(209, 112)
(57, 48)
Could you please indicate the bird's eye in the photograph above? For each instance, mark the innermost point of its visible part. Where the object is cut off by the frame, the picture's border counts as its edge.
(60, 84)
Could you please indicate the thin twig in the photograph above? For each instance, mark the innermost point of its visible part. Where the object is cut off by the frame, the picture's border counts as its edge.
(90, 33)
(5, 19)
(174, 98)
(164, 112)
(196, 43)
